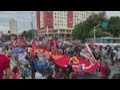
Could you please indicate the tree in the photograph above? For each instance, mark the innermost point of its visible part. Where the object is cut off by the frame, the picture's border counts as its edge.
(95, 19)
(6, 37)
(80, 31)
(99, 33)
(114, 26)
(28, 34)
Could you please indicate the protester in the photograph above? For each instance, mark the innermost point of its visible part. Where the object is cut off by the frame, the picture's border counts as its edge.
(74, 75)
(113, 58)
(69, 68)
(33, 67)
(36, 65)
(49, 73)
(118, 57)
(105, 71)
(38, 74)
(81, 73)
(16, 73)
(4, 66)
(116, 76)
(26, 72)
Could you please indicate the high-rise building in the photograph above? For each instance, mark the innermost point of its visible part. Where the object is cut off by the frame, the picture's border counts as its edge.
(60, 23)
(1, 33)
(13, 26)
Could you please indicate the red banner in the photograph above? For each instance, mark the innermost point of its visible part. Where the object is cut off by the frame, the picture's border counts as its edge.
(63, 60)
(34, 47)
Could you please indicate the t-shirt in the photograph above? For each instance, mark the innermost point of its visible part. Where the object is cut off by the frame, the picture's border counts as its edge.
(103, 71)
(118, 55)
(4, 64)
(38, 76)
(41, 66)
(69, 69)
(0, 50)
(114, 51)
(22, 56)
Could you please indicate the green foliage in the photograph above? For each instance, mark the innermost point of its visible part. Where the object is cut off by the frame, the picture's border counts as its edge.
(99, 33)
(85, 29)
(28, 34)
(114, 26)
(95, 19)
(6, 37)
(80, 31)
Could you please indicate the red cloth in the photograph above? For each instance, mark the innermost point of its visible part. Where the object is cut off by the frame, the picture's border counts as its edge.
(91, 43)
(12, 42)
(24, 40)
(34, 47)
(19, 40)
(64, 60)
(51, 42)
(4, 64)
(103, 71)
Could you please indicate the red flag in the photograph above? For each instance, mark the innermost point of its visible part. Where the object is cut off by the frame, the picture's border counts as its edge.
(91, 43)
(19, 40)
(24, 40)
(51, 42)
(12, 41)
(86, 52)
(34, 47)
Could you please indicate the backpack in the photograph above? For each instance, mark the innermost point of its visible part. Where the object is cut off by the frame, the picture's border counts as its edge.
(108, 71)
(25, 72)
(41, 65)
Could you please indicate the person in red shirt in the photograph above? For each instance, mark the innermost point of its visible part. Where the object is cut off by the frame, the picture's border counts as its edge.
(15, 73)
(103, 68)
(4, 66)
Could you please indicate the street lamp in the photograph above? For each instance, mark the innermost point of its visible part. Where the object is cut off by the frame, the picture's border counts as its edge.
(32, 24)
(95, 31)
(104, 25)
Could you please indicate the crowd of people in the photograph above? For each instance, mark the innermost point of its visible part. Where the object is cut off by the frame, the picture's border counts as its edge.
(38, 66)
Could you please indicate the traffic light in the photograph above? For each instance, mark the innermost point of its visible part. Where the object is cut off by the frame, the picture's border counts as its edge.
(104, 25)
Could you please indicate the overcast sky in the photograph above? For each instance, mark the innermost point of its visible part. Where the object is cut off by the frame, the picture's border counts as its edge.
(24, 18)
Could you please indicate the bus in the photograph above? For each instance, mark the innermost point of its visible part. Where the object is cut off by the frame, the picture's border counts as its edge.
(101, 40)
(105, 40)
(116, 39)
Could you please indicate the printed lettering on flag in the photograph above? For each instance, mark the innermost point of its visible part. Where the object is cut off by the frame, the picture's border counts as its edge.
(86, 52)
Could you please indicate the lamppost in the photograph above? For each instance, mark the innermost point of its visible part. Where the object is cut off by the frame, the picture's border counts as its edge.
(95, 31)
(104, 25)
(32, 24)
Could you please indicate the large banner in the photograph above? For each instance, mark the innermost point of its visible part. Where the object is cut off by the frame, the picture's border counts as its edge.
(62, 60)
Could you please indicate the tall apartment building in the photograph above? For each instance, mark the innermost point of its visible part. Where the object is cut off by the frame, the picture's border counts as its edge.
(60, 23)
(1, 33)
(13, 26)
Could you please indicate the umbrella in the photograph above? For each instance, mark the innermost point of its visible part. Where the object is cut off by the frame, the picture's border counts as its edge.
(17, 51)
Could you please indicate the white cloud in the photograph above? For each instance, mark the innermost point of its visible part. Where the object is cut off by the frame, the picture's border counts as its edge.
(4, 29)
(113, 13)
(23, 19)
